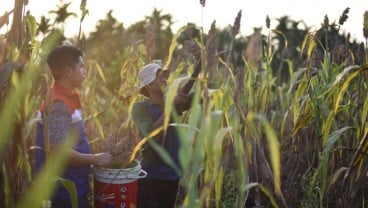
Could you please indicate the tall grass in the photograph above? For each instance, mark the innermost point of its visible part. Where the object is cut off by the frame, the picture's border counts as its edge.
(18, 108)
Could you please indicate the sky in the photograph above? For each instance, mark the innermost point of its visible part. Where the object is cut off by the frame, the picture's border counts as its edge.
(254, 12)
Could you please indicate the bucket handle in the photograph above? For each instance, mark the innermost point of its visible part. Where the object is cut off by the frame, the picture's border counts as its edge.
(142, 172)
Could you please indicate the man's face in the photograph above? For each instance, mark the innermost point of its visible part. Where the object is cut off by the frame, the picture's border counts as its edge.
(78, 73)
(159, 84)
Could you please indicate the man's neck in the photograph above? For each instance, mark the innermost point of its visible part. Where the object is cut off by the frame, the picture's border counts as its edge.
(157, 99)
(64, 85)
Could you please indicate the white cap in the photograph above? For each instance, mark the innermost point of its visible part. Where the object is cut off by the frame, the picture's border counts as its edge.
(147, 74)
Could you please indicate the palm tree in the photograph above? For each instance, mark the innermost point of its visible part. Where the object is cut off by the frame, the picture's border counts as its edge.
(106, 44)
(44, 25)
(108, 38)
(62, 13)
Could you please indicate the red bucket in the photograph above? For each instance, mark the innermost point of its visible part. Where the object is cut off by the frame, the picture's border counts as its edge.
(117, 188)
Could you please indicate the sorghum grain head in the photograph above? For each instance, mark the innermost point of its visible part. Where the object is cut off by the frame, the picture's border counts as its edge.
(268, 22)
(236, 26)
(326, 22)
(202, 2)
(211, 46)
(365, 25)
(344, 16)
(360, 55)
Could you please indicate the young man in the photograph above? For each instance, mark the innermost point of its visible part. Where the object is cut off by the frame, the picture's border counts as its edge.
(60, 116)
(159, 188)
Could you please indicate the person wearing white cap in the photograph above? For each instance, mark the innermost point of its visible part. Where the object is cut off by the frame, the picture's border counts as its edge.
(159, 188)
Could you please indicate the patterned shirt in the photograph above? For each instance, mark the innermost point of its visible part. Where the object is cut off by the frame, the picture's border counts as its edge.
(58, 122)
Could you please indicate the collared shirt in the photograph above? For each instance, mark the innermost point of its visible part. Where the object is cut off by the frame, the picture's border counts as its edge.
(144, 115)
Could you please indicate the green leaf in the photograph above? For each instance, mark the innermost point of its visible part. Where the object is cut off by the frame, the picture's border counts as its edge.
(45, 181)
(143, 141)
(15, 95)
(326, 126)
(338, 173)
(218, 187)
(169, 99)
(173, 45)
(32, 26)
(364, 116)
(310, 42)
(72, 189)
(165, 156)
(188, 135)
(100, 72)
(331, 140)
(274, 146)
(346, 84)
(339, 78)
(269, 195)
(294, 78)
(303, 121)
(264, 190)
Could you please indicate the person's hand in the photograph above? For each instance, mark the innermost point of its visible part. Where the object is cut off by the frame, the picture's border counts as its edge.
(102, 159)
(179, 100)
(182, 102)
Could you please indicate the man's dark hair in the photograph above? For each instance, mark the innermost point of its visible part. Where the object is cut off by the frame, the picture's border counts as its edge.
(63, 56)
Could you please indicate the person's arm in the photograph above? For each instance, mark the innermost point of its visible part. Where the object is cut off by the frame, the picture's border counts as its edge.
(183, 100)
(58, 127)
(188, 86)
(80, 159)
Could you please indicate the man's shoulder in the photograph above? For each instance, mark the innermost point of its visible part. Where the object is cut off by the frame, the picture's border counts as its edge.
(140, 106)
(55, 106)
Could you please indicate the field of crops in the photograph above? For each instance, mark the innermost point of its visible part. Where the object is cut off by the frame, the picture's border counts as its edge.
(277, 120)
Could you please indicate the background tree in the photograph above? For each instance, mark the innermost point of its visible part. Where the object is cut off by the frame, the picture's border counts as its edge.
(158, 34)
(17, 30)
(62, 13)
(287, 39)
